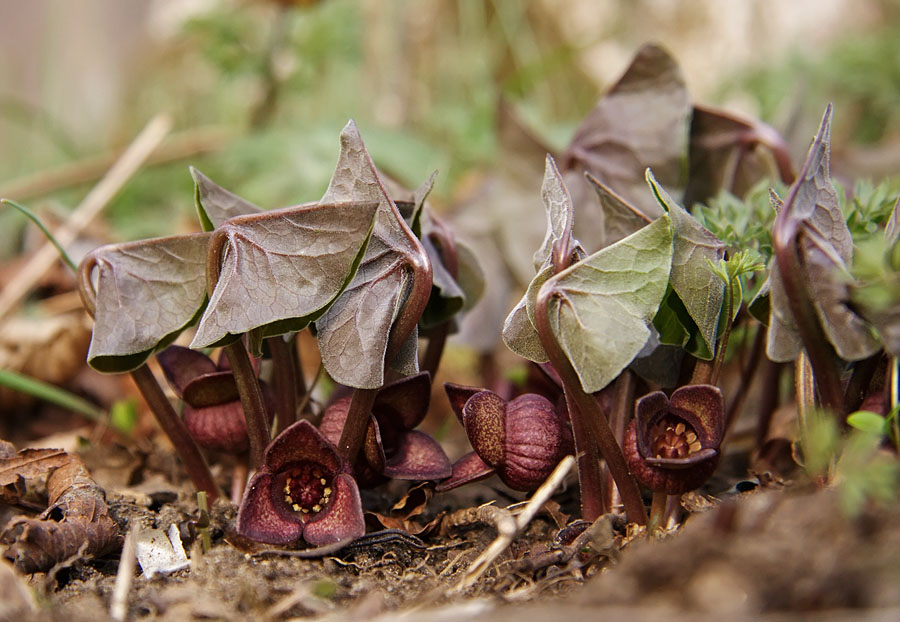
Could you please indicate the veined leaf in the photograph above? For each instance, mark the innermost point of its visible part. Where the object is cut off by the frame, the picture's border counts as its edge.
(146, 293)
(812, 209)
(600, 307)
(280, 270)
(620, 218)
(701, 291)
(353, 334)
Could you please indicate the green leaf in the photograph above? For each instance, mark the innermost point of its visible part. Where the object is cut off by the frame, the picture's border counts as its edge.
(600, 307)
(282, 269)
(50, 393)
(519, 333)
(123, 415)
(147, 292)
(353, 334)
(699, 288)
(867, 421)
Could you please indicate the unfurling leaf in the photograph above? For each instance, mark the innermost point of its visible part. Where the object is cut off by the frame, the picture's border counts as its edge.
(280, 270)
(600, 307)
(697, 286)
(643, 121)
(147, 292)
(519, 332)
(823, 240)
(354, 333)
(215, 204)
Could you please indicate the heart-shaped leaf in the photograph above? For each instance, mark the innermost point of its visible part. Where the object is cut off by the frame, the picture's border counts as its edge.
(694, 246)
(146, 293)
(354, 333)
(643, 121)
(280, 270)
(600, 307)
(215, 204)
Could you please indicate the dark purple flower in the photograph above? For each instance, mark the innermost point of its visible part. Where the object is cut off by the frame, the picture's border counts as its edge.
(392, 447)
(521, 440)
(303, 490)
(212, 407)
(672, 445)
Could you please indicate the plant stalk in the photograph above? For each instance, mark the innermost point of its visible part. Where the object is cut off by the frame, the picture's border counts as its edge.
(251, 400)
(590, 429)
(354, 433)
(285, 380)
(657, 512)
(177, 432)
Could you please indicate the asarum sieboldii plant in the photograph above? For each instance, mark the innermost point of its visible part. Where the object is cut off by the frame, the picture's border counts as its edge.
(303, 490)
(392, 447)
(213, 412)
(521, 440)
(672, 445)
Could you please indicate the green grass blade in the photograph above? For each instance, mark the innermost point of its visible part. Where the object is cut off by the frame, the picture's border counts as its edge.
(37, 221)
(50, 393)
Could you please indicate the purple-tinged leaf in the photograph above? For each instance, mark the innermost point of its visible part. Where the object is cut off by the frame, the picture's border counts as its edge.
(354, 333)
(822, 238)
(146, 293)
(182, 365)
(280, 270)
(728, 152)
(620, 218)
(643, 121)
(215, 204)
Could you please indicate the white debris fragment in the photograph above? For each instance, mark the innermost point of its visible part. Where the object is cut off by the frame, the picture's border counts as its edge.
(158, 554)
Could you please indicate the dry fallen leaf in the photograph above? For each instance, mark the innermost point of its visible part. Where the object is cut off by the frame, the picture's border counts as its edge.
(76, 523)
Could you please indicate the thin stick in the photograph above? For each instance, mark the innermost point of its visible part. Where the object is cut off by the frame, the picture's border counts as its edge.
(126, 166)
(180, 146)
(507, 534)
(118, 607)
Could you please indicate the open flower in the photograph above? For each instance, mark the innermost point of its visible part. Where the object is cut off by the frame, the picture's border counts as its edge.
(521, 441)
(672, 445)
(213, 412)
(392, 447)
(303, 490)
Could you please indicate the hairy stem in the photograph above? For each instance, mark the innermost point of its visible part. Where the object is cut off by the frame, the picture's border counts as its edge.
(251, 400)
(590, 429)
(284, 379)
(623, 405)
(177, 432)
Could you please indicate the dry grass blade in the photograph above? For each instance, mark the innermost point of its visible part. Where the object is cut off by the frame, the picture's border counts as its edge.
(130, 161)
(506, 535)
(118, 607)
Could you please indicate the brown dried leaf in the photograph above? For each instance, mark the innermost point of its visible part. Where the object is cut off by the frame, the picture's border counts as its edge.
(30, 463)
(77, 522)
(403, 513)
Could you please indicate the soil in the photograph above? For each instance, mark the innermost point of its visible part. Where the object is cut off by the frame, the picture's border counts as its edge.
(773, 552)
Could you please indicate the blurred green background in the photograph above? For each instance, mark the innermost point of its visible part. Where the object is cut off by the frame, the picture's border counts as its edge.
(259, 90)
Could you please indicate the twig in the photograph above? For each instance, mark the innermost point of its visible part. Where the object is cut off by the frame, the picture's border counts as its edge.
(176, 147)
(86, 212)
(118, 607)
(507, 532)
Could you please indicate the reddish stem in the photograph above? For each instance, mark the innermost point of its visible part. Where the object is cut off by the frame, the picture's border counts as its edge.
(177, 432)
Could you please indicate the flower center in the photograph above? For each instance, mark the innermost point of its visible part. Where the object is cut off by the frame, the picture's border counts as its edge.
(673, 438)
(306, 488)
